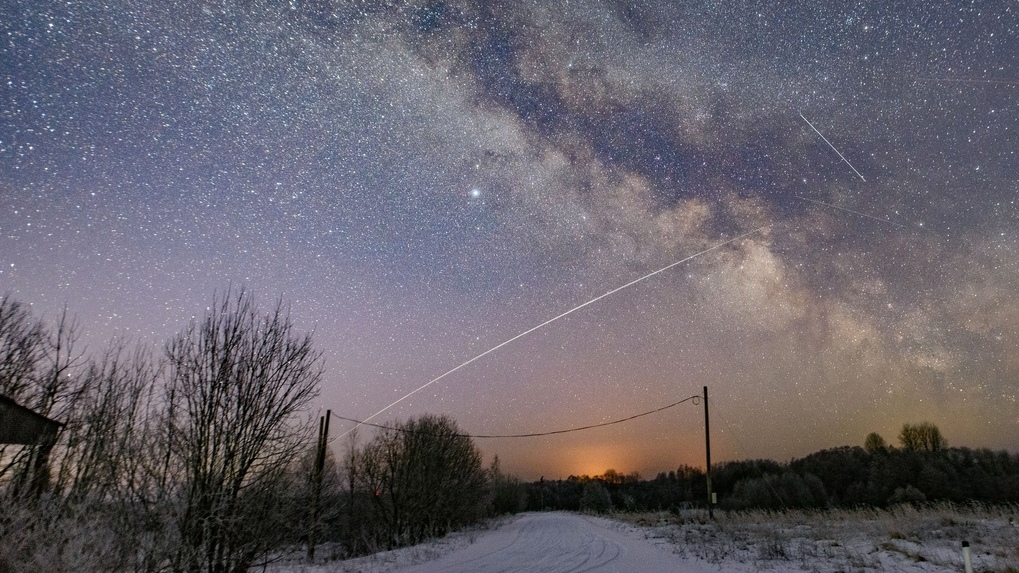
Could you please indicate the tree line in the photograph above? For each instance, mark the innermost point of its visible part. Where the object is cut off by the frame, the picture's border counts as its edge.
(200, 457)
(923, 469)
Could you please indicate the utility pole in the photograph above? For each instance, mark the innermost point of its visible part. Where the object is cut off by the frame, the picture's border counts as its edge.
(316, 477)
(707, 450)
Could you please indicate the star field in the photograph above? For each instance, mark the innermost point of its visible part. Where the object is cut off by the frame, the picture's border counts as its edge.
(424, 180)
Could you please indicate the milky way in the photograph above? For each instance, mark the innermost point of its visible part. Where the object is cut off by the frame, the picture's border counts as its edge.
(424, 180)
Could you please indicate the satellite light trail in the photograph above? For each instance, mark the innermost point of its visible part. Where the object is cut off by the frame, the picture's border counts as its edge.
(851, 211)
(970, 81)
(551, 320)
(833, 147)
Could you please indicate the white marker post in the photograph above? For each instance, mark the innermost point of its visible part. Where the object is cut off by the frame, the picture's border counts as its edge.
(966, 559)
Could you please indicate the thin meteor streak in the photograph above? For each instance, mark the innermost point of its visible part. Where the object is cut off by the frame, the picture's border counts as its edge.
(551, 320)
(971, 81)
(851, 211)
(833, 147)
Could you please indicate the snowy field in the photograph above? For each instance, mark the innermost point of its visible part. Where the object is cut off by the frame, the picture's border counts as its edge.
(904, 540)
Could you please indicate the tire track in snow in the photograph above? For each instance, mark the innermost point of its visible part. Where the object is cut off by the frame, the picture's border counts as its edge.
(556, 543)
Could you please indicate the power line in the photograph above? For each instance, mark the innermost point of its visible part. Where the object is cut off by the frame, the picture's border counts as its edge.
(557, 317)
(531, 435)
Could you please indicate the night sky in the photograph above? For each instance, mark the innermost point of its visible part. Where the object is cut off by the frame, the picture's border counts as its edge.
(422, 181)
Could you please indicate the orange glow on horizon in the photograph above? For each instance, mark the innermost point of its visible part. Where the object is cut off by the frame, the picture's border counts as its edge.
(559, 459)
(592, 460)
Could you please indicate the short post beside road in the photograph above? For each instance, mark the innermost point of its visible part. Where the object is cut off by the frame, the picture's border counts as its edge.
(967, 559)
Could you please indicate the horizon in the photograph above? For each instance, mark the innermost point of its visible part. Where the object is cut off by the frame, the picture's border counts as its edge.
(649, 473)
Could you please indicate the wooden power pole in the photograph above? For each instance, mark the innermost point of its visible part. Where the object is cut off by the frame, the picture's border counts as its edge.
(707, 450)
(316, 479)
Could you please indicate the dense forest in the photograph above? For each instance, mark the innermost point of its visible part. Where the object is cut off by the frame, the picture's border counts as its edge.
(923, 469)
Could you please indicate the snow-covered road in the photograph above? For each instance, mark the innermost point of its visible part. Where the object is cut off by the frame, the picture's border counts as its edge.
(558, 543)
(904, 539)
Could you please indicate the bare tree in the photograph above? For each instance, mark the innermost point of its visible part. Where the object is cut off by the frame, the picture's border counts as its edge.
(58, 385)
(425, 478)
(86, 520)
(359, 531)
(105, 422)
(22, 340)
(37, 370)
(506, 493)
(924, 436)
(237, 381)
(931, 438)
(22, 348)
(186, 465)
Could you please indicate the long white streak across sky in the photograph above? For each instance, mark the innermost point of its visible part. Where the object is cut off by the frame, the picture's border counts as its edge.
(971, 81)
(551, 320)
(833, 147)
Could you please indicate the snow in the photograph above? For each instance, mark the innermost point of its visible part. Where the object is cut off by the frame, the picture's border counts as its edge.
(904, 540)
(532, 542)
(559, 542)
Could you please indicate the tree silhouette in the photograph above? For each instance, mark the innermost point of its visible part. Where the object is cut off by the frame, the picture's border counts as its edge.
(425, 479)
(874, 443)
(236, 381)
(922, 437)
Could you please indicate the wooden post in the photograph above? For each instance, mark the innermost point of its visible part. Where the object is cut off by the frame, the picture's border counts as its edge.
(707, 450)
(316, 479)
(314, 492)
